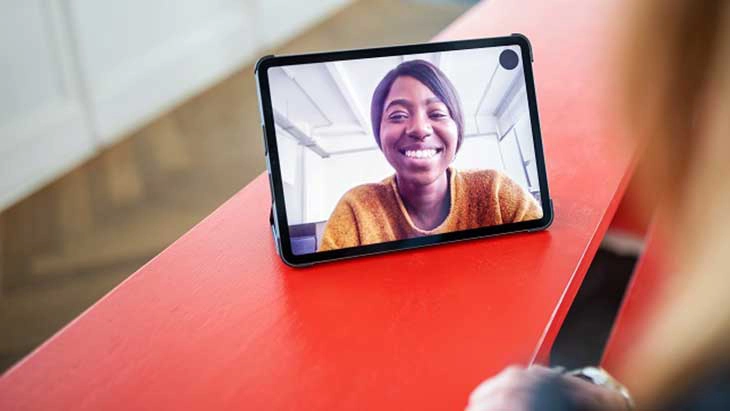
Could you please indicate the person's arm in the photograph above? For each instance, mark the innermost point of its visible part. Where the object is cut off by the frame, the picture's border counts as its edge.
(515, 203)
(341, 229)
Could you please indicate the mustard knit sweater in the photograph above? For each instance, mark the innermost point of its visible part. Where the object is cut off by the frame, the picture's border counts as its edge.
(375, 213)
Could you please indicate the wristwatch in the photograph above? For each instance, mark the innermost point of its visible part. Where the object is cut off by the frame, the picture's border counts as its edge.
(599, 376)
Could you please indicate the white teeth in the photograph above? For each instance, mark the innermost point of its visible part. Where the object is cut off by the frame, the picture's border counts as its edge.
(421, 153)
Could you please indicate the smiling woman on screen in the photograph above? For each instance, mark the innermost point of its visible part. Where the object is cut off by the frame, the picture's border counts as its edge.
(419, 127)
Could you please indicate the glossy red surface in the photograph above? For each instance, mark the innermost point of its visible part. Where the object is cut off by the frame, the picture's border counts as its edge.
(216, 321)
(642, 293)
(628, 220)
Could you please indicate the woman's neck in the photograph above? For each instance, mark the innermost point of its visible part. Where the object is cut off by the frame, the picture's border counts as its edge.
(427, 205)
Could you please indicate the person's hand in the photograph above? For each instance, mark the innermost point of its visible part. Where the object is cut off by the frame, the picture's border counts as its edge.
(513, 390)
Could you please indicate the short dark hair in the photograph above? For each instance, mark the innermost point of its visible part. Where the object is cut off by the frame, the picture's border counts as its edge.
(431, 77)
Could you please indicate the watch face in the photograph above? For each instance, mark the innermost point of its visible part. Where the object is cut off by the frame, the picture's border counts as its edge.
(597, 376)
(590, 374)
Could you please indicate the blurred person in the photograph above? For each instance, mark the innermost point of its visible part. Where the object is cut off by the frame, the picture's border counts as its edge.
(419, 127)
(676, 96)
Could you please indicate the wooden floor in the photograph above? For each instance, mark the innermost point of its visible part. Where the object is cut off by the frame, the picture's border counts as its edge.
(70, 243)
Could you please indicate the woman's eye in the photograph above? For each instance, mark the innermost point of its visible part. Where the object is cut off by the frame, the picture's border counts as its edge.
(397, 117)
(438, 115)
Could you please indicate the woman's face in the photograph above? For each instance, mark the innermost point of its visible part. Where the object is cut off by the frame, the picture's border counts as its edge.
(417, 134)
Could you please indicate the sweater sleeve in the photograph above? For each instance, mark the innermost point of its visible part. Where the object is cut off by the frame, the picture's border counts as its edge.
(341, 230)
(515, 203)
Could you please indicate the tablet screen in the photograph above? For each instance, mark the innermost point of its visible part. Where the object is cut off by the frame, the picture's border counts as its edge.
(383, 149)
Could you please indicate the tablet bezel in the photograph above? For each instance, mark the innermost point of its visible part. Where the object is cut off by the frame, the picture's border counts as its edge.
(279, 221)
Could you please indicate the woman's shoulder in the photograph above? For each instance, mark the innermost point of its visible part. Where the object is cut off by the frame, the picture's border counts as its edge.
(369, 192)
(487, 182)
(516, 203)
(481, 178)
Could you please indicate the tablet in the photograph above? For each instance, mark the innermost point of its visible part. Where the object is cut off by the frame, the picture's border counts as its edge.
(392, 148)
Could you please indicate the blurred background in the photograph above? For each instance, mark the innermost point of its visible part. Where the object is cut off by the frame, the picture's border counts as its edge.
(122, 124)
(326, 145)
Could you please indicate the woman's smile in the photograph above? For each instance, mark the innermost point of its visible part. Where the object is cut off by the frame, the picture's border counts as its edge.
(421, 153)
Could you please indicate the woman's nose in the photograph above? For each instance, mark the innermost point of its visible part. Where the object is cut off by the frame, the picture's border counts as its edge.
(419, 127)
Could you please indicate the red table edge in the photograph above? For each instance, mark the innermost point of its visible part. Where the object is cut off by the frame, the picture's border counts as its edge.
(541, 354)
(638, 299)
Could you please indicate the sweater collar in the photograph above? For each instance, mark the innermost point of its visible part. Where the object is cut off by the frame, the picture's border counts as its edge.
(451, 171)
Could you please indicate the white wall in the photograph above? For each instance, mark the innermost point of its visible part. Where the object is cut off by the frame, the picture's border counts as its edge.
(81, 74)
(517, 143)
(44, 124)
(479, 153)
(327, 179)
(276, 20)
(139, 58)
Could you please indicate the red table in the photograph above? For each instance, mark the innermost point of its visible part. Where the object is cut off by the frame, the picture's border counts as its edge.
(643, 293)
(218, 322)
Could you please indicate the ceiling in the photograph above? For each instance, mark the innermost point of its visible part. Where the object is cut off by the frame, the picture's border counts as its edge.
(326, 106)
